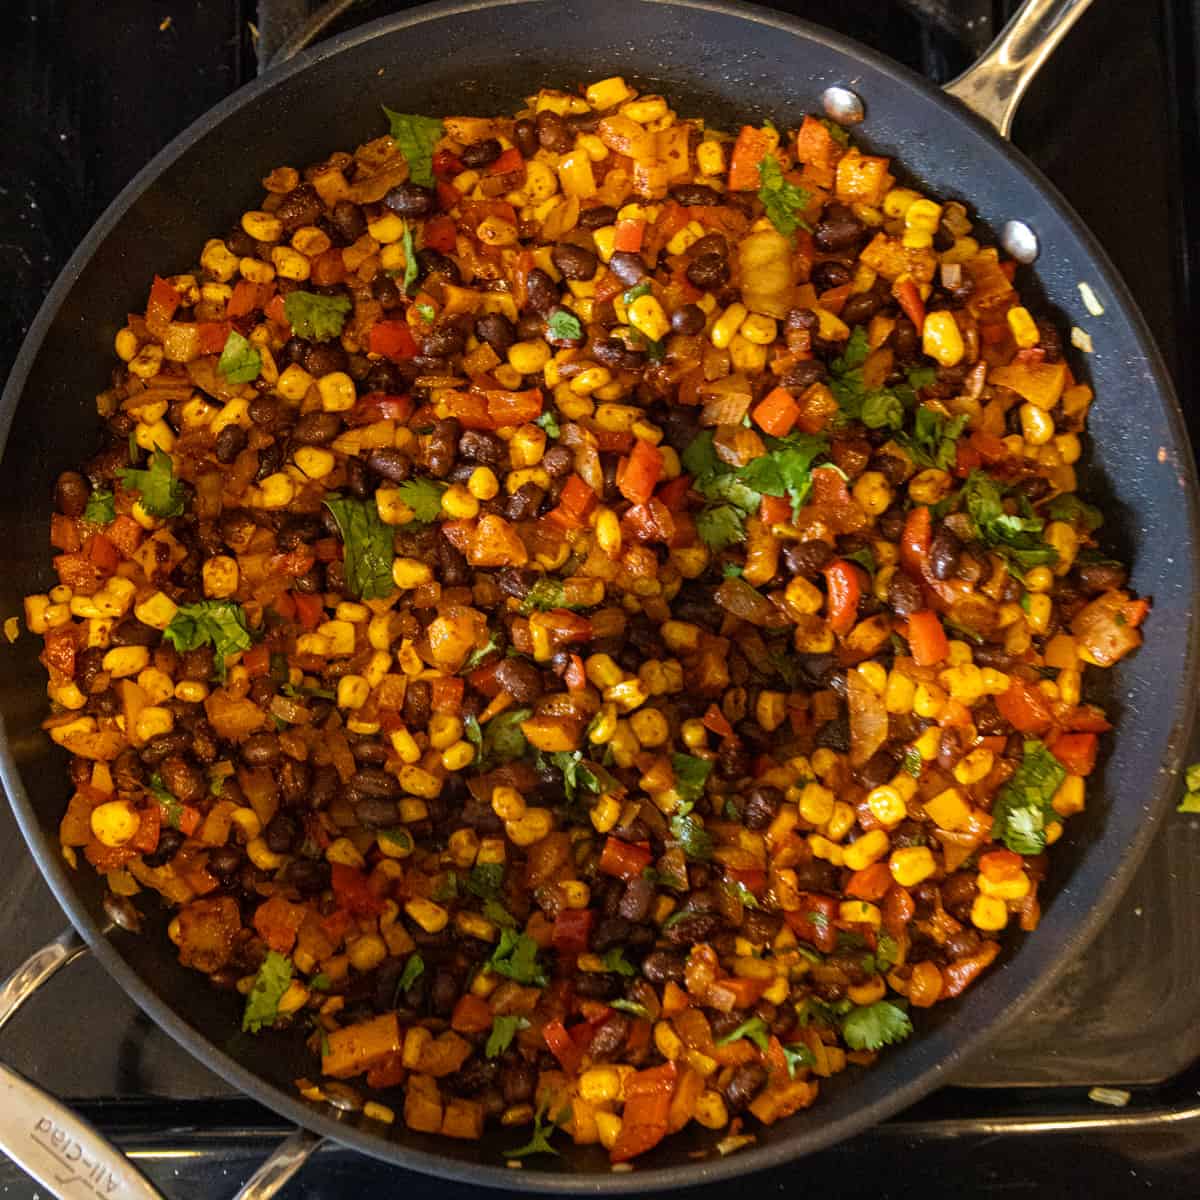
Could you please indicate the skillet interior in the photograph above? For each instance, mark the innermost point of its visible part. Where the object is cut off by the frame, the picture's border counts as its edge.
(722, 62)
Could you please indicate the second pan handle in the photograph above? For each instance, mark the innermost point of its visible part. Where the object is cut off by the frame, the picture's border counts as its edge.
(992, 87)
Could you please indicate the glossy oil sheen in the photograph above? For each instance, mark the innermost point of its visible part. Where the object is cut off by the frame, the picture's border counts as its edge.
(725, 63)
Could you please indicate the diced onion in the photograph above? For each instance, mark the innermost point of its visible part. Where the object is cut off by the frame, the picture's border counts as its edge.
(1090, 300)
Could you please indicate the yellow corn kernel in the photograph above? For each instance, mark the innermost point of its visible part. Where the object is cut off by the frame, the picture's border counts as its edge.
(930, 486)
(431, 917)
(1065, 541)
(689, 235)
(874, 675)
(948, 810)
(802, 598)
(667, 1042)
(575, 893)
(869, 848)
(191, 692)
(928, 701)
(392, 508)
(646, 315)
(590, 380)
(1005, 889)
(1037, 616)
(536, 824)
(367, 952)
(341, 850)
(125, 344)
(444, 730)
(899, 693)
(608, 93)
(405, 746)
(1068, 686)
(157, 610)
(1024, 329)
(965, 683)
(911, 865)
(1069, 447)
(220, 575)
(262, 856)
(598, 1085)
(873, 492)
(114, 823)
(746, 356)
(353, 691)
(410, 572)
(922, 217)
(608, 532)
(156, 684)
(605, 813)
(151, 722)
(417, 782)
(825, 849)
(315, 462)
(458, 503)
(1070, 797)
(711, 1111)
(1037, 425)
(123, 661)
(770, 710)
(254, 271)
(710, 157)
(694, 735)
(337, 391)
(276, 491)
(605, 239)
(989, 914)
(898, 201)
(1039, 579)
(459, 755)
(602, 671)
(816, 804)
(626, 695)
(293, 383)
(608, 1127)
(262, 227)
(340, 635)
(289, 263)
(974, 767)
(942, 339)
(859, 912)
(650, 727)
(218, 260)
(157, 434)
(759, 329)
(515, 480)
(508, 804)
(887, 805)
(645, 109)
(575, 175)
(247, 822)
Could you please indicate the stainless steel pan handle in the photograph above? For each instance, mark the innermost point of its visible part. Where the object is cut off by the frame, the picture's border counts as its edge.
(65, 1154)
(992, 87)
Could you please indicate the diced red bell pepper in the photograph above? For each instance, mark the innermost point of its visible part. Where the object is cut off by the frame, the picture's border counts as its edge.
(834, 299)
(829, 488)
(927, 639)
(285, 605)
(813, 920)
(337, 924)
(257, 660)
(672, 493)
(508, 162)
(471, 1015)
(645, 1119)
(79, 573)
(379, 406)
(558, 1042)
(909, 298)
(448, 195)
(446, 164)
(843, 590)
(275, 310)
(440, 234)
(714, 721)
(64, 533)
(572, 929)
(1076, 752)
(752, 879)
(613, 441)
(915, 540)
(638, 475)
(145, 841)
(59, 651)
(393, 339)
(514, 408)
(446, 694)
(350, 886)
(483, 679)
(775, 510)
(247, 297)
(751, 147)
(102, 552)
(390, 1072)
(629, 235)
(815, 144)
(649, 522)
(898, 909)
(161, 306)
(213, 336)
(277, 921)
(1024, 707)
(309, 609)
(125, 533)
(1001, 865)
(777, 413)
(624, 860)
(871, 883)
(574, 504)
(1088, 719)
(329, 267)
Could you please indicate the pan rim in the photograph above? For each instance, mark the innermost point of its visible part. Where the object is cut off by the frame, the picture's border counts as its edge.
(945, 1047)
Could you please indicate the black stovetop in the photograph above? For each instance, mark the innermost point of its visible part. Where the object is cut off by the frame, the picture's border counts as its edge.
(95, 89)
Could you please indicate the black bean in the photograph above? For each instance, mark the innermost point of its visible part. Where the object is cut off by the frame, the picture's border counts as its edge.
(958, 894)
(515, 582)
(479, 446)
(160, 748)
(952, 747)
(831, 274)
(443, 445)
(313, 428)
(877, 770)
(908, 833)
(225, 861)
(708, 272)
(597, 216)
(497, 331)
(689, 194)
(308, 876)
(385, 377)
(384, 289)
(293, 352)
(264, 410)
(1050, 340)
(418, 703)
(374, 783)
(692, 928)
(627, 267)
(609, 1038)
(410, 199)
(860, 307)
(323, 358)
(552, 132)
(762, 803)
(541, 290)
(558, 461)
(595, 985)
(808, 558)
(348, 221)
(816, 875)
(837, 230)
(231, 441)
(760, 927)
(295, 779)
(1101, 577)
(377, 812)
(241, 243)
(301, 206)
(524, 503)
(71, 494)
(479, 154)
(183, 779)
(613, 353)
(945, 553)
(636, 900)
(799, 378)
(904, 595)
(574, 262)
(520, 678)
(442, 342)
(261, 750)
(525, 137)
(710, 243)
(905, 341)
(609, 933)
(170, 842)
(270, 460)
(688, 320)
(661, 965)
(518, 1079)
(745, 1083)
(89, 666)
(963, 944)
(281, 833)
(389, 462)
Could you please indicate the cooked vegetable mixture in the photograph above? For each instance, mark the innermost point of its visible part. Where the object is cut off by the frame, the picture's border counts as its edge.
(583, 617)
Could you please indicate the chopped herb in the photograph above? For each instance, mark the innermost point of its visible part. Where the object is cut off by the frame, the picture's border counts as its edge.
(1025, 602)
(516, 959)
(564, 325)
(217, 623)
(397, 837)
(172, 809)
(545, 594)
(614, 961)
(691, 774)
(694, 839)
(836, 132)
(921, 377)
(495, 912)
(865, 557)
(632, 1007)
(320, 982)
(754, 1030)
(874, 1026)
(737, 889)
(783, 201)
(162, 494)
(729, 501)
(886, 952)
(501, 739)
(240, 362)
(878, 408)
(1016, 537)
(446, 888)
(414, 968)
(720, 526)
(786, 468)
(135, 451)
(424, 497)
(817, 919)
(318, 318)
(539, 1143)
(504, 1029)
(798, 1056)
(426, 312)
(1068, 507)
(486, 880)
(415, 137)
(811, 1011)
(731, 571)
(729, 810)
(700, 457)
(289, 689)
(474, 735)
(1023, 807)
(368, 547)
(934, 439)
(100, 508)
(262, 1004)
(912, 763)
(579, 774)
(412, 268)
(637, 291)
(549, 422)
(476, 657)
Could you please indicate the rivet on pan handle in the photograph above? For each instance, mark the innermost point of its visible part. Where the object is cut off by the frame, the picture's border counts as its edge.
(994, 85)
(67, 1156)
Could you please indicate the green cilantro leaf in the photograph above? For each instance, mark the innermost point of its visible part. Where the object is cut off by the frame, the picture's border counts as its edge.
(474, 734)
(414, 968)
(879, 408)
(162, 494)
(412, 268)
(504, 1029)
(637, 291)
(933, 441)
(424, 497)
(719, 526)
(100, 508)
(786, 468)
(262, 1004)
(539, 1143)
(220, 624)
(368, 547)
(1016, 537)
(887, 950)
(865, 557)
(754, 1030)
(549, 422)
(397, 837)
(486, 880)
(320, 982)
(691, 774)
(836, 132)
(495, 912)
(872, 1026)
(480, 653)
(415, 136)
(501, 739)
(614, 961)
(516, 958)
(545, 593)
(783, 201)
(564, 325)
(446, 888)
(240, 362)
(632, 1007)
(1068, 507)
(731, 571)
(700, 458)
(172, 809)
(737, 889)
(426, 312)
(912, 763)
(1023, 807)
(318, 318)
(692, 837)
(798, 1056)
(579, 774)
